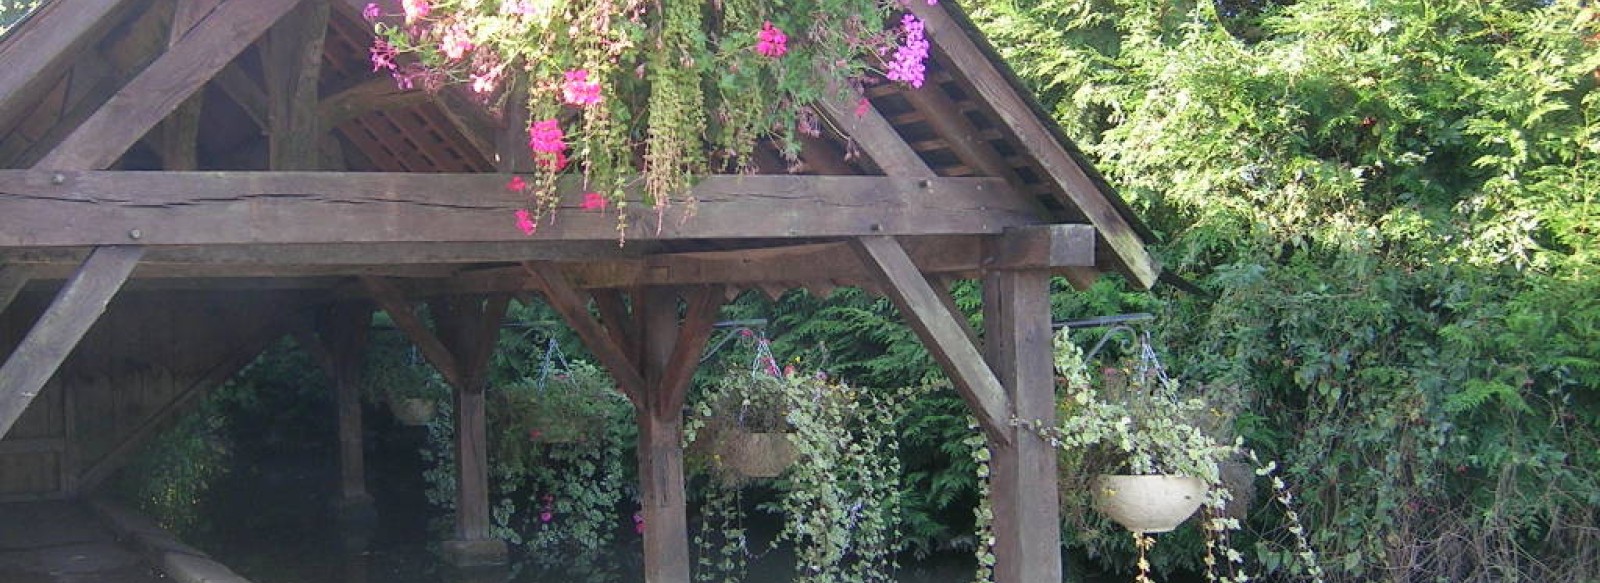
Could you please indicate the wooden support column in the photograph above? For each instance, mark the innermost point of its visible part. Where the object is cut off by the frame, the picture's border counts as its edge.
(342, 333)
(1027, 519)
(467, 330)
(292, 63)
(656, 379)
(76, 307)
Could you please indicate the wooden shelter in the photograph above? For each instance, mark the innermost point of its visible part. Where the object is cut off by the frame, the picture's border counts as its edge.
(183, 181)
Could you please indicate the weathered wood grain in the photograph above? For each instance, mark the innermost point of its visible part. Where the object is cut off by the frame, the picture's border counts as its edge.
(171, 79)
(394, 301)
(661, 481)
(940, 332)
(75, 309)
(36, 54)
(291, 65)
(41, 209)
(1034, 137)
(601, 340)
(875, 136)
(375, 94)
(1027, 520)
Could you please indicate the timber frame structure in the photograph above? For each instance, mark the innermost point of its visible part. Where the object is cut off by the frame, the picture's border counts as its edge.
(184, 181)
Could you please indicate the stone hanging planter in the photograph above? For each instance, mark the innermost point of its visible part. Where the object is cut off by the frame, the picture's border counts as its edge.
(413, 412)
(1146, 504)
(754, 454)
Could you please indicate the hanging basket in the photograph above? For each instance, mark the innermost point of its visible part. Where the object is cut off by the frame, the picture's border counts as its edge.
(754, 454)
(413, 412)
(1145, 504)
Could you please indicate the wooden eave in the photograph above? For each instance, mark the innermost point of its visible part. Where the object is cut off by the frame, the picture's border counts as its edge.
(969, 155)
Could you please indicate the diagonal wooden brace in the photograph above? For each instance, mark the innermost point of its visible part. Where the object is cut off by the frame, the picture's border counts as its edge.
(564, 297)
(76, 308)
(940, 331)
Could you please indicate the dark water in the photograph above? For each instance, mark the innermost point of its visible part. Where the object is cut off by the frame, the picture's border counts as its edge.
(271, 521)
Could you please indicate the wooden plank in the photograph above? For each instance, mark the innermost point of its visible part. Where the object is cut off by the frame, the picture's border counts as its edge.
(291, 65)
(36, 54)
(171, 79)
(560, 294)
(393, 301)
(940, 332)
(251, 343)
(41, 209)
(1034, 137)
(12, 279)
(33, 445)
(57, 332)
(875, 136)
(1027, 519)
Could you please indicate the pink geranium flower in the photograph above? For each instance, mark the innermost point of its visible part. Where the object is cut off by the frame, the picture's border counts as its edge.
(516, 184)
(525, 222)
(371, 12)
(415, 9)
(383, 55)
(908, 66)
(594, 201)
(579, 90)
(546, 136)
(456, 42)
(771, 42)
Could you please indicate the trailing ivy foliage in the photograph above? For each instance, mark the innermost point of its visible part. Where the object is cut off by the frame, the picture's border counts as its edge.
(13, 10)
(1392, 205)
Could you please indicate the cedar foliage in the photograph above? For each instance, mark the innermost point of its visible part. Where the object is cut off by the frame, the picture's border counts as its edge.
(1393, 205)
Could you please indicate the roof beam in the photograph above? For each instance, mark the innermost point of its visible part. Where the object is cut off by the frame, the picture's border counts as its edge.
(35, 54)
(993, 86)
(166, 83)
(54, 209)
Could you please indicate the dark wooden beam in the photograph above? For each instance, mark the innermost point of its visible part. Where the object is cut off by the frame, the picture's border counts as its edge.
(565, 299)
(244, 91)
(177, 139)
(291, 65)
(171, 79)
(41, 209)
(369, 95)
(343, 331)
(393, 301)
(12, 279)
(875, 136)
(76, 308)
(470, 326)
(36, 54)
(661, 481)
(940, 332)
(1027, 513)
(1043, 247)
(703, 305)
(992, 86)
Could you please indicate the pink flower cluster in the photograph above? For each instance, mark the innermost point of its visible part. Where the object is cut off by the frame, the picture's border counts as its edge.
(579, 90)
(456, 42)
(371, 13)
(415, 10)
(771, 42)
(909, 59)
(548, 143)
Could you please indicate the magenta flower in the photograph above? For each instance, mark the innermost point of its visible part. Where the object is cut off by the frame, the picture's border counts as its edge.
(862, 107)
(416, 9)
(638, 523)
(371, 12)
(383, 55)
(516, 184)
(579, 90)
(593, 201)
(908, 66)
(546, 136)
(771, 42)
(456, 42)
(526, 224)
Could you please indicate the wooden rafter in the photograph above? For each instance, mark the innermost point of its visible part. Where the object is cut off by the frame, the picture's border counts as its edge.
(41, 209)
(875, 136)
(940, 331)
(178, 135)
(166, 83)
(35, 55)
(58, 331)
(12, 280)
(991, 84)
(365, 96)
(574, 310)
(693, 333)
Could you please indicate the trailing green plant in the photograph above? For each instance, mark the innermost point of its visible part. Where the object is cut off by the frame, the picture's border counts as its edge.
(13, 10)
(672, 89)
(392, 370)
(1392, 207)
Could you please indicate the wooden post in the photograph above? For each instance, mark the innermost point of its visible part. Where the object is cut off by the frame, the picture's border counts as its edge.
(1027, 521)
(76, 308)
(12, 280)
(469, 326)
(344, 332)
(661, 485)
(292, 65)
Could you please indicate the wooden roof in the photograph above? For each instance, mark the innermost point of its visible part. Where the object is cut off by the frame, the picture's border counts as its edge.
(98, 112)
